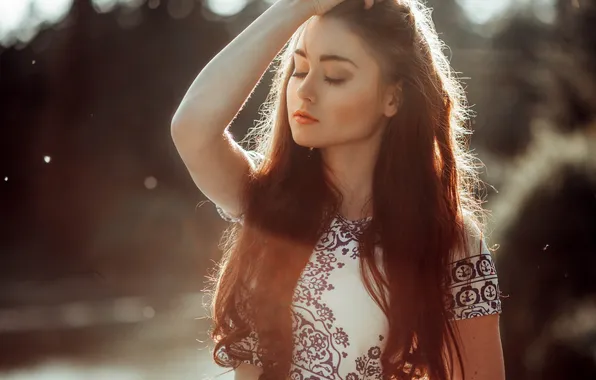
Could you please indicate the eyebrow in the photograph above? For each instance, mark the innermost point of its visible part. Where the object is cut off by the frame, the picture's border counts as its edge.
(327, 57)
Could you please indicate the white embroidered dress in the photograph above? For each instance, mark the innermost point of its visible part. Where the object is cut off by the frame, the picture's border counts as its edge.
(339, 330)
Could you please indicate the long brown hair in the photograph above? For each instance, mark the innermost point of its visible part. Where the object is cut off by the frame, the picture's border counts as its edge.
(423, 187)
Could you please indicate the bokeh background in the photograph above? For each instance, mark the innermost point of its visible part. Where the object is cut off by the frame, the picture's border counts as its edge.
(105, 240)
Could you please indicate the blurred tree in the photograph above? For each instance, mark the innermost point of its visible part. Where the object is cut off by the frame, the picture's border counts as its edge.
(97, 95)
(542, 127)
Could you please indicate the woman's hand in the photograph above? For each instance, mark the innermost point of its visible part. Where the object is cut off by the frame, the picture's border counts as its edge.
(321, 7)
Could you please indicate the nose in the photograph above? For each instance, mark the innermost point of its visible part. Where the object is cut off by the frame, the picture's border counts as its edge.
(306, 90)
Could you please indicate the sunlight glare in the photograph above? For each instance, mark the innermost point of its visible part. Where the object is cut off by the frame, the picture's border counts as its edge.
(21, 20)
(482, 11)
(226, 8)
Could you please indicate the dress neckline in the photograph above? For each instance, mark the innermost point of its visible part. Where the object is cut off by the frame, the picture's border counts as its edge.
(353, 222)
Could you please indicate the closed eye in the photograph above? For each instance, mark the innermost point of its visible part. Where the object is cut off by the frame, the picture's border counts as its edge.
(332, 81)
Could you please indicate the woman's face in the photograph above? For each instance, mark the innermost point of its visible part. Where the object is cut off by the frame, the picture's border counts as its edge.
(337, 82)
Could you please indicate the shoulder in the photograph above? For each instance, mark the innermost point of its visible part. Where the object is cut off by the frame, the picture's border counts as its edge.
(472, 242)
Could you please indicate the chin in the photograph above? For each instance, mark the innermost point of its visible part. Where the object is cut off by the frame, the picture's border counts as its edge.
(307, 144)
(310, 141)
(307, 140)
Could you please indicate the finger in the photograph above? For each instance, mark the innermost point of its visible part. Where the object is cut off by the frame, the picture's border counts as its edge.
(368, 4)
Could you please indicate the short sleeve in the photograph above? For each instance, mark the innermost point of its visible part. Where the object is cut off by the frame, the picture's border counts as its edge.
(257, 158)
(473, 285)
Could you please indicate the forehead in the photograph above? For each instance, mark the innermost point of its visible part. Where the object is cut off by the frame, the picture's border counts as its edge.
(323, 35)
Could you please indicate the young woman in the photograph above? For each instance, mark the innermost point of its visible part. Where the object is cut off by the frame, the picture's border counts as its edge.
(357, 250)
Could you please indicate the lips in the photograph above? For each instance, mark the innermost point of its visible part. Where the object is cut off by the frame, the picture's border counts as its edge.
(304, 116)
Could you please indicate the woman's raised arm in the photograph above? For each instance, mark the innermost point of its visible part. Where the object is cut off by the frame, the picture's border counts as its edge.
(217, 164)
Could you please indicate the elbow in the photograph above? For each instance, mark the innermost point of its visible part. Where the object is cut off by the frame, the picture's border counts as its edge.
(181, 137)
(191, 139)
(184, 132)
(176, 130)
(176, 133)
(186, 145)
(177, 126)
(183, 122)
(195, 131)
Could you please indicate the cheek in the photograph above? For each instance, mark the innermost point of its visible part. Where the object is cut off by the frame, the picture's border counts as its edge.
(355, 105)
(291, 95)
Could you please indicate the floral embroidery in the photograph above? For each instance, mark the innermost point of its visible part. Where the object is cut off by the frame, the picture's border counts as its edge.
(335, 336)
(340, 337)
(368, 365)
(319, 348)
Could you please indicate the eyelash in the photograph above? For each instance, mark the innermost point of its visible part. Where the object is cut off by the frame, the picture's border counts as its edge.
(331, 81)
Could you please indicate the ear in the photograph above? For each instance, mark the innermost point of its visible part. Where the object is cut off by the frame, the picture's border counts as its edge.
(392, 99)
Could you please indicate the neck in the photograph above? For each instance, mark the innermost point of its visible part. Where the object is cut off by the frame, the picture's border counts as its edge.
(351, 169)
